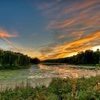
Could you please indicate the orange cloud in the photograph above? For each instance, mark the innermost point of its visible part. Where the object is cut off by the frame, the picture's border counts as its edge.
(81, 18)
(4, 34)
(93, 36)
(80, 6)
(72, 47)
(79, 43)
(74, 25)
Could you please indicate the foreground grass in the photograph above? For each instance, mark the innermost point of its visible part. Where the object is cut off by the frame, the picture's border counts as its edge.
(59, 89)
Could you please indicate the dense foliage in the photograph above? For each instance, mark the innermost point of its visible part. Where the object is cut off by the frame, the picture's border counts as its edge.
(13, 60)
(86, 57)
(59, 89)
(34, 61)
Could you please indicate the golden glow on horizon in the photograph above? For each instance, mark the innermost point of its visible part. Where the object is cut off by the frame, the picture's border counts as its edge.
(61, 51)
(71, 54)
(73, 27)
(76, 27)
(74, 47)
(95, 48)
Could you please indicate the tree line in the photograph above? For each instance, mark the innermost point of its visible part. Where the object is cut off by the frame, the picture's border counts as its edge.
(84, 57)
(14, 60)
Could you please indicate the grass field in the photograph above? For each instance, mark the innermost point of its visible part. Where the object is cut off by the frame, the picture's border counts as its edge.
(59, 89)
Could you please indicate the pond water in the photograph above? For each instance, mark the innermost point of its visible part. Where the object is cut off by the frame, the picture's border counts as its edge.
(38, 75)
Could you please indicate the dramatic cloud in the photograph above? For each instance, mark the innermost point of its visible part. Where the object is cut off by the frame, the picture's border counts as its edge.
(4, 34)
(72, 47)
(74, 24)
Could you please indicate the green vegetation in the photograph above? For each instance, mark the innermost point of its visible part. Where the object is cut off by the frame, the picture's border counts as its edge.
(13, 60)
(87, 57)
(59, 89)
(98, 66)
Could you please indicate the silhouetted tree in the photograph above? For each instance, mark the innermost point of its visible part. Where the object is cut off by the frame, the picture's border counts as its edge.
(34, 61)
(86, 57)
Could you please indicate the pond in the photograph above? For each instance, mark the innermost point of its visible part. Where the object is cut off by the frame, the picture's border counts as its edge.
(38, 75)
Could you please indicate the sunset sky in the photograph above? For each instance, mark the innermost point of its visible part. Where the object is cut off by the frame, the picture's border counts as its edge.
(49, 29)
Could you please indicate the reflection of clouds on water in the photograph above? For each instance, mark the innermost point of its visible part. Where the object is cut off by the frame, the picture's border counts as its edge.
(62, 71)
(45, 71)
(44, 67)
(42, 75)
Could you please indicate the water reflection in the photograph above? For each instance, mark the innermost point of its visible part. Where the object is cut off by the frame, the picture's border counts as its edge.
(39, 75)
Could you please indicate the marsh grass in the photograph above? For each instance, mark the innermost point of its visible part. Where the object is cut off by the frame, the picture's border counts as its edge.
(59, 89)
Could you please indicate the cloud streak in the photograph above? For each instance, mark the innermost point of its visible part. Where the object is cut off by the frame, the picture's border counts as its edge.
(72, 47)
(10, 43)
(4, 34)
(74, 24)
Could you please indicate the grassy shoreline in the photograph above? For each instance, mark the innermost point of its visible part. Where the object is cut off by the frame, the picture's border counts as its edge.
(13, 67)
(59, 89)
